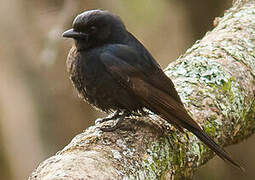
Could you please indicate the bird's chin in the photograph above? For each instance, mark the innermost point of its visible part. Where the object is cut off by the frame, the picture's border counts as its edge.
(81, 45)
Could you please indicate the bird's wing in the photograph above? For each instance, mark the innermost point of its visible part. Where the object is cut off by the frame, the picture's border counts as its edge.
(120, 62)
(148, 68)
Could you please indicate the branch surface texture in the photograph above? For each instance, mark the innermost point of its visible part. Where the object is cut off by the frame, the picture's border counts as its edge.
(215, 79)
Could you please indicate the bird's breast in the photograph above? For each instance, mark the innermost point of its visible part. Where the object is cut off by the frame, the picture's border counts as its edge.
(71, 60)
(90, 78)
(96, 85)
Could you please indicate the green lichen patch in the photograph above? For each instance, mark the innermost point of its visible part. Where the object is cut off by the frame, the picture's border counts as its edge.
(171, 154)
(203, 77)
(157, 158)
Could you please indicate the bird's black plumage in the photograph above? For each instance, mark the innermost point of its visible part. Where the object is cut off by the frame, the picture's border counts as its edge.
(113, 71)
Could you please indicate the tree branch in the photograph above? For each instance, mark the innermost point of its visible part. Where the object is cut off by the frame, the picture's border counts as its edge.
(215, 79)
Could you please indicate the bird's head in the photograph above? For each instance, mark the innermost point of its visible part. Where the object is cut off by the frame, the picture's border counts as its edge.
(94, 28)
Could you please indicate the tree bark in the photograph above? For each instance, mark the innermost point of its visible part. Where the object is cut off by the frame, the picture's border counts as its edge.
(215, 79)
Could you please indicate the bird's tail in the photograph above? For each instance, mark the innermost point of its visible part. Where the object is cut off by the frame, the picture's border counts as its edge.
(175, 113)
(207, 140)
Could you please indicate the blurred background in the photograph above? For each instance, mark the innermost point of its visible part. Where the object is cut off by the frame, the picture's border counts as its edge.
(39, 109)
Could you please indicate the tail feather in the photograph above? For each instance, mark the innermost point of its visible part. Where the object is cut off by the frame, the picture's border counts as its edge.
(207, 140)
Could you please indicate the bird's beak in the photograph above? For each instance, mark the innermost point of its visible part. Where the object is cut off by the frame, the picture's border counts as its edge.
(71, 33)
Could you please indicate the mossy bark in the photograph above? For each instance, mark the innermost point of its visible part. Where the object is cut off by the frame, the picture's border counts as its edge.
(215, 79)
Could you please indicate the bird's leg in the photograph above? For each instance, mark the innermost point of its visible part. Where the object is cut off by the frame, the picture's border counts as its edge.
(117, 125)
(113, 117)
(142, 112)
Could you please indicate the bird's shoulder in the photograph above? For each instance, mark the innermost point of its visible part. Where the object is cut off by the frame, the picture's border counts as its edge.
(120, 50)
(128, 54)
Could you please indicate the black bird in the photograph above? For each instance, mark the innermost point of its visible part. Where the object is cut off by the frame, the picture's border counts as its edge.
(113, 71)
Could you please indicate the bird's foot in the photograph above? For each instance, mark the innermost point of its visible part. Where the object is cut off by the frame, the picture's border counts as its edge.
(113, 117)
(141, 113)
(118, 124)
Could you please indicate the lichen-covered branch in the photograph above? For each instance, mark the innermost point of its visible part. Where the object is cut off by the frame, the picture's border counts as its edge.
(215, 79)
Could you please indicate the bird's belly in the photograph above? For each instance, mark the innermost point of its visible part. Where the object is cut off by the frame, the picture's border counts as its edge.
(107, 95)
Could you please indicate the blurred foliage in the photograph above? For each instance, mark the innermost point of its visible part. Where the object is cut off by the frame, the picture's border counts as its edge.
(40, 110)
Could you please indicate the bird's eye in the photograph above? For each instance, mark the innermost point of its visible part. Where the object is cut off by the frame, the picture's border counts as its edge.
(92, 29)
